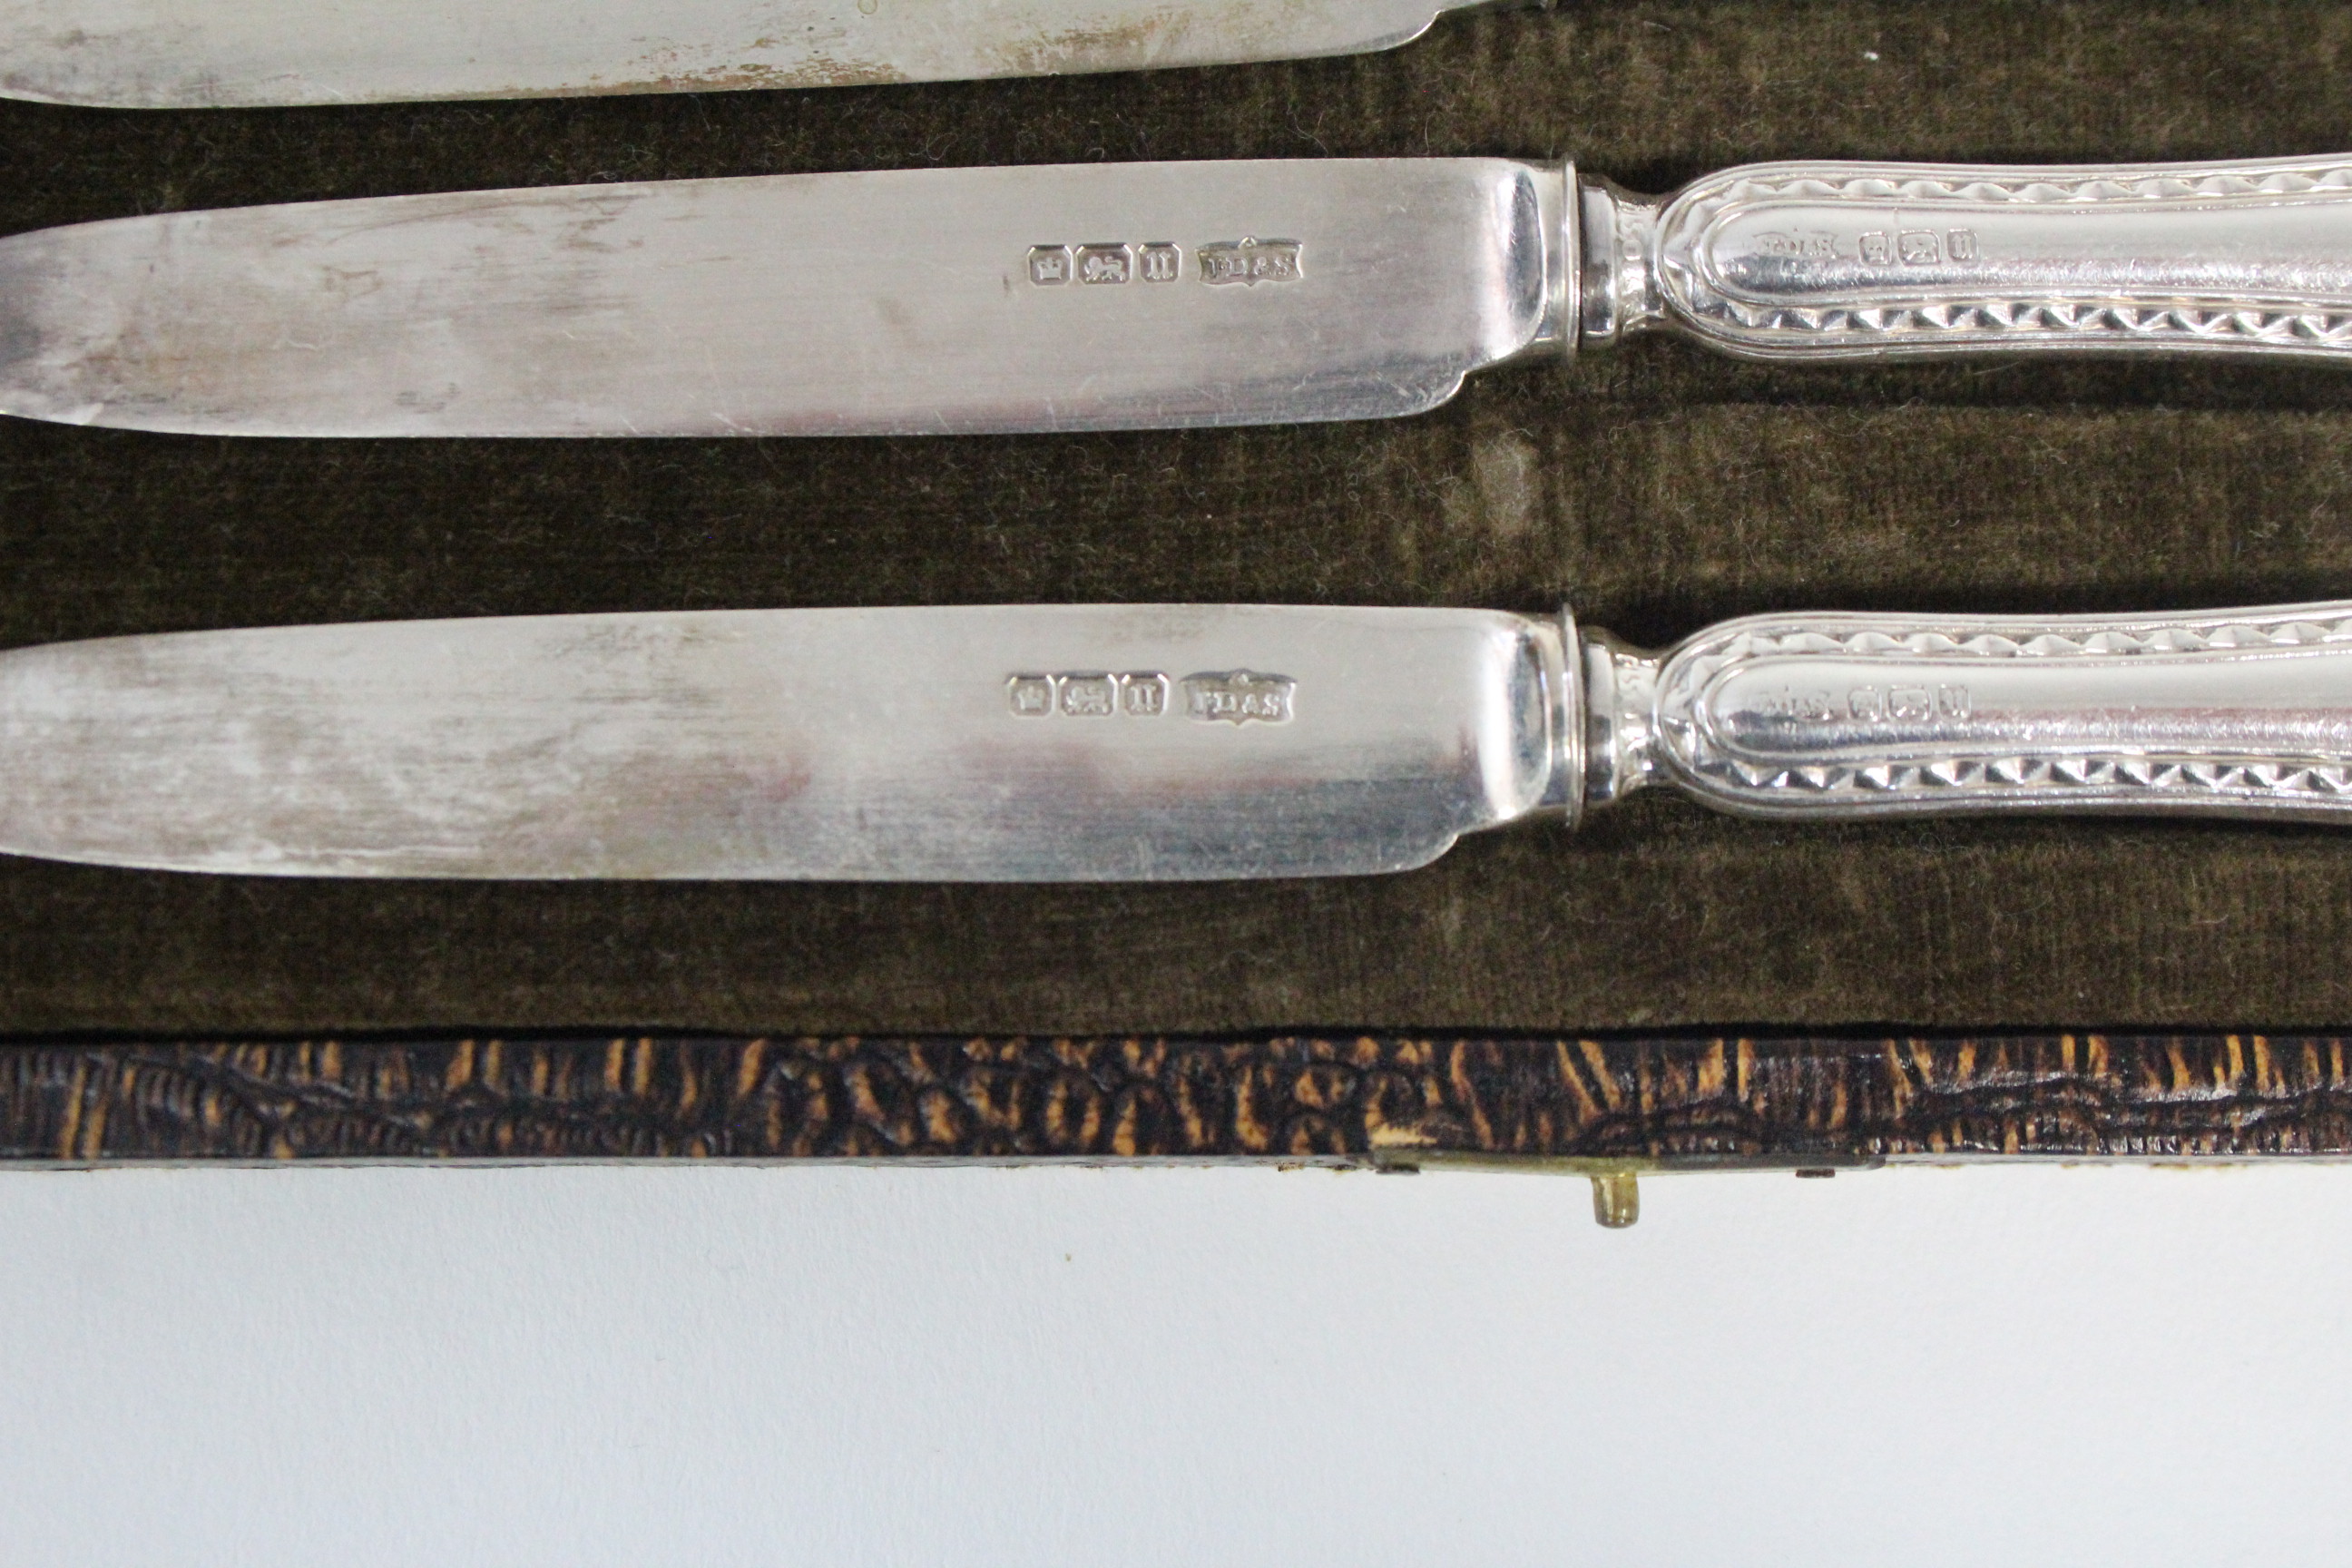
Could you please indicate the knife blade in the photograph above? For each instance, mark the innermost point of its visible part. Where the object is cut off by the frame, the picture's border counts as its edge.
(1126, 296)
(1120, 743)
(209, 54)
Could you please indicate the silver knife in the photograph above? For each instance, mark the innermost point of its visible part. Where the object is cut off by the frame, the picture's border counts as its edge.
(1120, 742)
(206, 54)
(1127, 296)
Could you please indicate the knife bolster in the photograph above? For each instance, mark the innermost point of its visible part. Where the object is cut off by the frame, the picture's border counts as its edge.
(1553, 225)
(1557, 650)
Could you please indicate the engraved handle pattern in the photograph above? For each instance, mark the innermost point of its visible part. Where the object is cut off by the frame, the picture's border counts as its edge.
(1812, 261)
(2229, 712)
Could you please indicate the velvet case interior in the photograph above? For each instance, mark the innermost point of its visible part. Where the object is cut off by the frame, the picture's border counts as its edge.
(1656, 487)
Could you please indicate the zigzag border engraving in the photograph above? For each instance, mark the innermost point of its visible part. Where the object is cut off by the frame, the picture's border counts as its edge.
(2089, 778)
(1947, 319)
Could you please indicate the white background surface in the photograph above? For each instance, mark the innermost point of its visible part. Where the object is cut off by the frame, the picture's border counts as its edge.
(779, 1366)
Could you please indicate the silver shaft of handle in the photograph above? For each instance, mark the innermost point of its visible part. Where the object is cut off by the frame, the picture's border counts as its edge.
(2224, 712)
(1843, 261)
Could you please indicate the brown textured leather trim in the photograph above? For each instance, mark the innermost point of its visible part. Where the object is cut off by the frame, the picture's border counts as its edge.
(1681, 1102)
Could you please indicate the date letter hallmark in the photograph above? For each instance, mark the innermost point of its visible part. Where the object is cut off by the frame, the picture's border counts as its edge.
(1141, 694)
(1237, 696)
(1251, 261)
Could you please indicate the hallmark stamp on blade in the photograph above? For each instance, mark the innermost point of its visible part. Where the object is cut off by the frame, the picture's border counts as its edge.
(1106, 263)
(1049, 265)
(1090, 696)
(1251, 261)
(1217, 696)
(1244, 261)
(1143, 695)
(1238, 696)
(1140, 694)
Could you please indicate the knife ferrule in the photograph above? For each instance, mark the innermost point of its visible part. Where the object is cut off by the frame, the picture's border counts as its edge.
(1619, 719)
(1611, 238)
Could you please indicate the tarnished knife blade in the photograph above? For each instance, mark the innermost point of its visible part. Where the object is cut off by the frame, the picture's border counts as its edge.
(1151, 742)
(919, 303)
(202, 54)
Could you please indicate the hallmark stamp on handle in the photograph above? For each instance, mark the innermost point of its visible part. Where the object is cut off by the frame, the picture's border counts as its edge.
(1865, 704)
(1916, 247)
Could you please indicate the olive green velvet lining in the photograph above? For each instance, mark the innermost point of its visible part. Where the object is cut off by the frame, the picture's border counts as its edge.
(1656, 489)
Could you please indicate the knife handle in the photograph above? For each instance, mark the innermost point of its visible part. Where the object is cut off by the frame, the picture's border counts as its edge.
(1839, 261)
(2227, 712)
